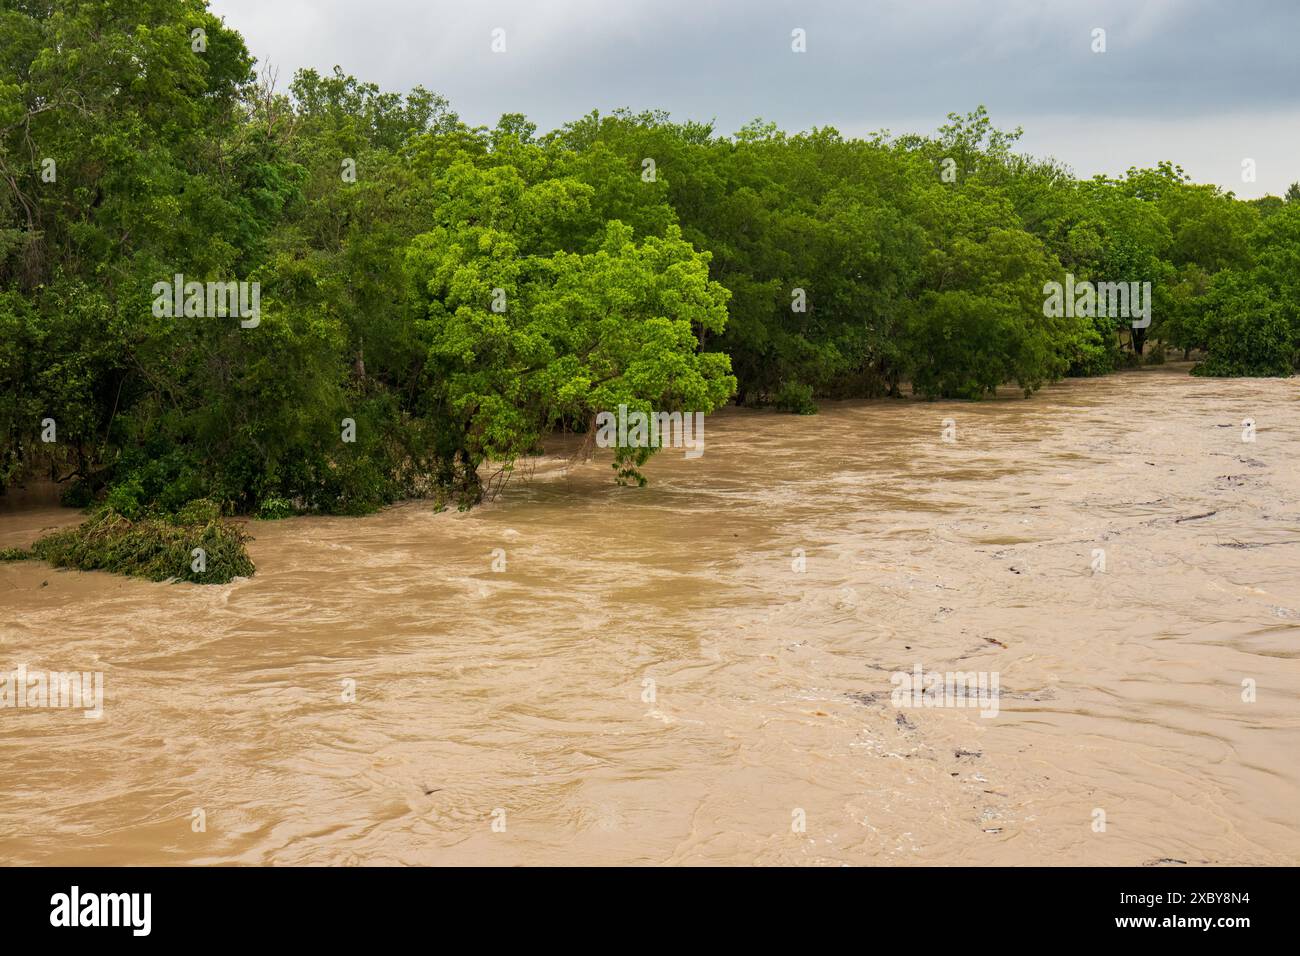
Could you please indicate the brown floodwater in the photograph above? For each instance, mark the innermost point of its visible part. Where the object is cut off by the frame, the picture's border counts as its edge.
(651, 679)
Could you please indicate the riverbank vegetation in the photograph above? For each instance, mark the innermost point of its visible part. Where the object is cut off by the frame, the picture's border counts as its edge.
(436, 297)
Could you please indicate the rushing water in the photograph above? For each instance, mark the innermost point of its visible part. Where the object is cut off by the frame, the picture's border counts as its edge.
(651, 680)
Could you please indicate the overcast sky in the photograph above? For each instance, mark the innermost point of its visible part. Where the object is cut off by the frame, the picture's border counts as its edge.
(1205, 84)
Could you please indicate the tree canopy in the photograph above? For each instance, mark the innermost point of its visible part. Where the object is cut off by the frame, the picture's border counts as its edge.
(436, 297)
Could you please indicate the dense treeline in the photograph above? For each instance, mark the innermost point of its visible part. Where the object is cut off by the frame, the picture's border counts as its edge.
(436, 298)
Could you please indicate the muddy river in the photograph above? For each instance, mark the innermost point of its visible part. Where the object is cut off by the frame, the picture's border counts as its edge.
(705, 670)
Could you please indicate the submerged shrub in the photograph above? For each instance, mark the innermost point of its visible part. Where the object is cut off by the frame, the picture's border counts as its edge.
(1248, 335)
(795, 397)
(153, 548)
(79, 494)
(126, 499)
(198, 511)
(270, 509)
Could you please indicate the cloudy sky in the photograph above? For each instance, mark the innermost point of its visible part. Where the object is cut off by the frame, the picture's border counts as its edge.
(1205, 84)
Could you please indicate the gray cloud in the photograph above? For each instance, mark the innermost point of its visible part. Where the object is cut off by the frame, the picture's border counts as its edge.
(1205, 84)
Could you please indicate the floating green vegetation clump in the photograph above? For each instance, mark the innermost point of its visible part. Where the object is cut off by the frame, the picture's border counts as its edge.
(205, 551)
